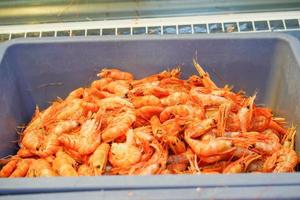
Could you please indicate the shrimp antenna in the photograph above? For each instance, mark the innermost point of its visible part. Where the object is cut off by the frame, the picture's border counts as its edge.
(199, 69)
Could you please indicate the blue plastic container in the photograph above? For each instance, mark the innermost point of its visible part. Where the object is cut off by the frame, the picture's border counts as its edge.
(34, 72)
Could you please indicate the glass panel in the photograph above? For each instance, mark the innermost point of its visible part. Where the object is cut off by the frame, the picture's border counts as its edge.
(154, 30)
(200, 28)
(291, 23)
(185, 29)
(215, 28)
(44, 11)
(169, 30)
(93, 32)
(261, 25)
(230, 27)
(246, 26)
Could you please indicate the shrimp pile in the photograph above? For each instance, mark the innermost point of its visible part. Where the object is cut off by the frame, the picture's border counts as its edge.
(159, 124)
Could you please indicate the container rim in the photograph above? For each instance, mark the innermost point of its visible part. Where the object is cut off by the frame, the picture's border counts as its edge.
(64, 184)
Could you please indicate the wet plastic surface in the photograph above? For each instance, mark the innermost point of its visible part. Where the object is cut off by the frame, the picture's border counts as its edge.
(34, 72)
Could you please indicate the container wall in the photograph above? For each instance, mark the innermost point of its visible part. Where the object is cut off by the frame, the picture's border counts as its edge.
(40, 72)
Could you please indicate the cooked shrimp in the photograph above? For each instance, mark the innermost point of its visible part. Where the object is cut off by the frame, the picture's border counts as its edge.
(86, 141)
(175, 143)
(284, 160)
(245, 114)
(98, 159)
(224, 110)
(124, 154)
(118, 87)
(288, 140)
(177, 110)
(72, 110)
(207, 99)
(175, 85)
(24, 153)
(207, 82)
(241, 164)
(119, 126)
(64, 165)
(175, 99)
(22, 168)
(85, 170)
(197, 128)
(148, 100)
(211, 147)
(75, 94)
(261, 119)
(157, 77)
(48, 146)
(40, 168)
(8, 169)
(112, 103)
(65, 126)
(146, 112)
(115, 74)
(100, 84)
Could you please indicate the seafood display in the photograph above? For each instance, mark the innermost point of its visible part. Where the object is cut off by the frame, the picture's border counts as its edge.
(159, 124)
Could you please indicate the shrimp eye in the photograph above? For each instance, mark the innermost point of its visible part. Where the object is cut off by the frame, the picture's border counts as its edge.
(248, 107)
(98, 166)
(251, 146)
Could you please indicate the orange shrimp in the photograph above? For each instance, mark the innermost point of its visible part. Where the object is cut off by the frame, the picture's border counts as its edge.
(24, 153)
(175, 99)
(261, 119)
(76, 94)
(241, 164)
(8, 169)
(64, 165)
(207, 99)
(224, 110)
(113, 103)
(256, 142)
(98, 159)
(100, 84)
(210, 147)
(215, 167)
(48, 146)
(177, 110)
(64, 126)
(125, 154)
(284, 160)
(197, 128)
(118, 87)
(288, 140)
(72, 110)
(175, 85)
(245, 114)
(22, 168)
(85, 170)
(175, 143)
(86, 141)
(146, 112)
(40, 168)
(119, 126)
(278, 127)
(256, 165)
(155, 164)
(115, 74)
(157, 77)
(207, 82)
(195, 81)
(148, 100)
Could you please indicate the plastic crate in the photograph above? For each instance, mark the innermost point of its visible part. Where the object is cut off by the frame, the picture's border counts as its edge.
(36, 71)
